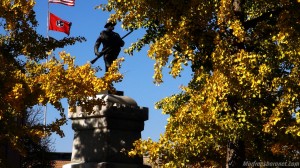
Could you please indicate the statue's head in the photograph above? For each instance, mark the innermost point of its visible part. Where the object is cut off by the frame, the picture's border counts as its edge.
(109, 23)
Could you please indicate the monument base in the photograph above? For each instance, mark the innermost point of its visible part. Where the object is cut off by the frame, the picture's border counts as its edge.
(104, 165)
(103, 138)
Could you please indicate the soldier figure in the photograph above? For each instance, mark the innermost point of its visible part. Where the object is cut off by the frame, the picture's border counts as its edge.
(112, 44)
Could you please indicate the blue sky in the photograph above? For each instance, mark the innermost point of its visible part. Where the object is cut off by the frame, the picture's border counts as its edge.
(137, 69)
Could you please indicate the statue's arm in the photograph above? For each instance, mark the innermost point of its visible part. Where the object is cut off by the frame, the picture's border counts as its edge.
(97, 45)
(122, 42)
(119, 40)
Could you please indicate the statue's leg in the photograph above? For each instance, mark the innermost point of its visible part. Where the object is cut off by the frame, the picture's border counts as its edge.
(109, 59)
(107, 62)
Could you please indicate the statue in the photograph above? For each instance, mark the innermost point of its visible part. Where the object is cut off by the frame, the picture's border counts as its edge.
(112, 43)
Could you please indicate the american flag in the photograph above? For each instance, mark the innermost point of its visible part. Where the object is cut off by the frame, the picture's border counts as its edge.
(64, 2)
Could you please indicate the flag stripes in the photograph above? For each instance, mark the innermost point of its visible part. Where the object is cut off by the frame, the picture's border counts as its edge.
(64, 2)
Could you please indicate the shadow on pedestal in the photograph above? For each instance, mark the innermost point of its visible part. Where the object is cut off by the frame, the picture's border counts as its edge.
(103, 139)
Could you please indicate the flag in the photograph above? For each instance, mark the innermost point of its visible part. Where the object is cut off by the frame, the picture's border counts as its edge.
(57, 24)
(64, 2)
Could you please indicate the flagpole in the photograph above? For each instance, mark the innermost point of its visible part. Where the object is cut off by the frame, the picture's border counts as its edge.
(48, 21)
(45, 110)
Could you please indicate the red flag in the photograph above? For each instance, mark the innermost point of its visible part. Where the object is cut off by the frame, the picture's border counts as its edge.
(57, 24)
(64, 2)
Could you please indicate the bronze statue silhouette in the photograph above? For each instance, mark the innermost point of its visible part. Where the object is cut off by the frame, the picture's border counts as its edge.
(112, 43)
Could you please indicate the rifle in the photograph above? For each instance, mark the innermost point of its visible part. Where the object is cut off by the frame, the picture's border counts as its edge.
(107, 49)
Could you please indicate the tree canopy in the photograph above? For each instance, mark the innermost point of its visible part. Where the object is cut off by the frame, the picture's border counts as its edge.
(245, 84)
(30, 75)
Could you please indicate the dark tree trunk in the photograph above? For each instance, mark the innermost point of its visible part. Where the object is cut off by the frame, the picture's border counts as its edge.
(235, 154)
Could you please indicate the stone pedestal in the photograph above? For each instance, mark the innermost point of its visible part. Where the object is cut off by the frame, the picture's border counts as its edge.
(103, 139)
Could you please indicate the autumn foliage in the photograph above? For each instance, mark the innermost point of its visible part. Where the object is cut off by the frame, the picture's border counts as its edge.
(245, 87)
(31, 74)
